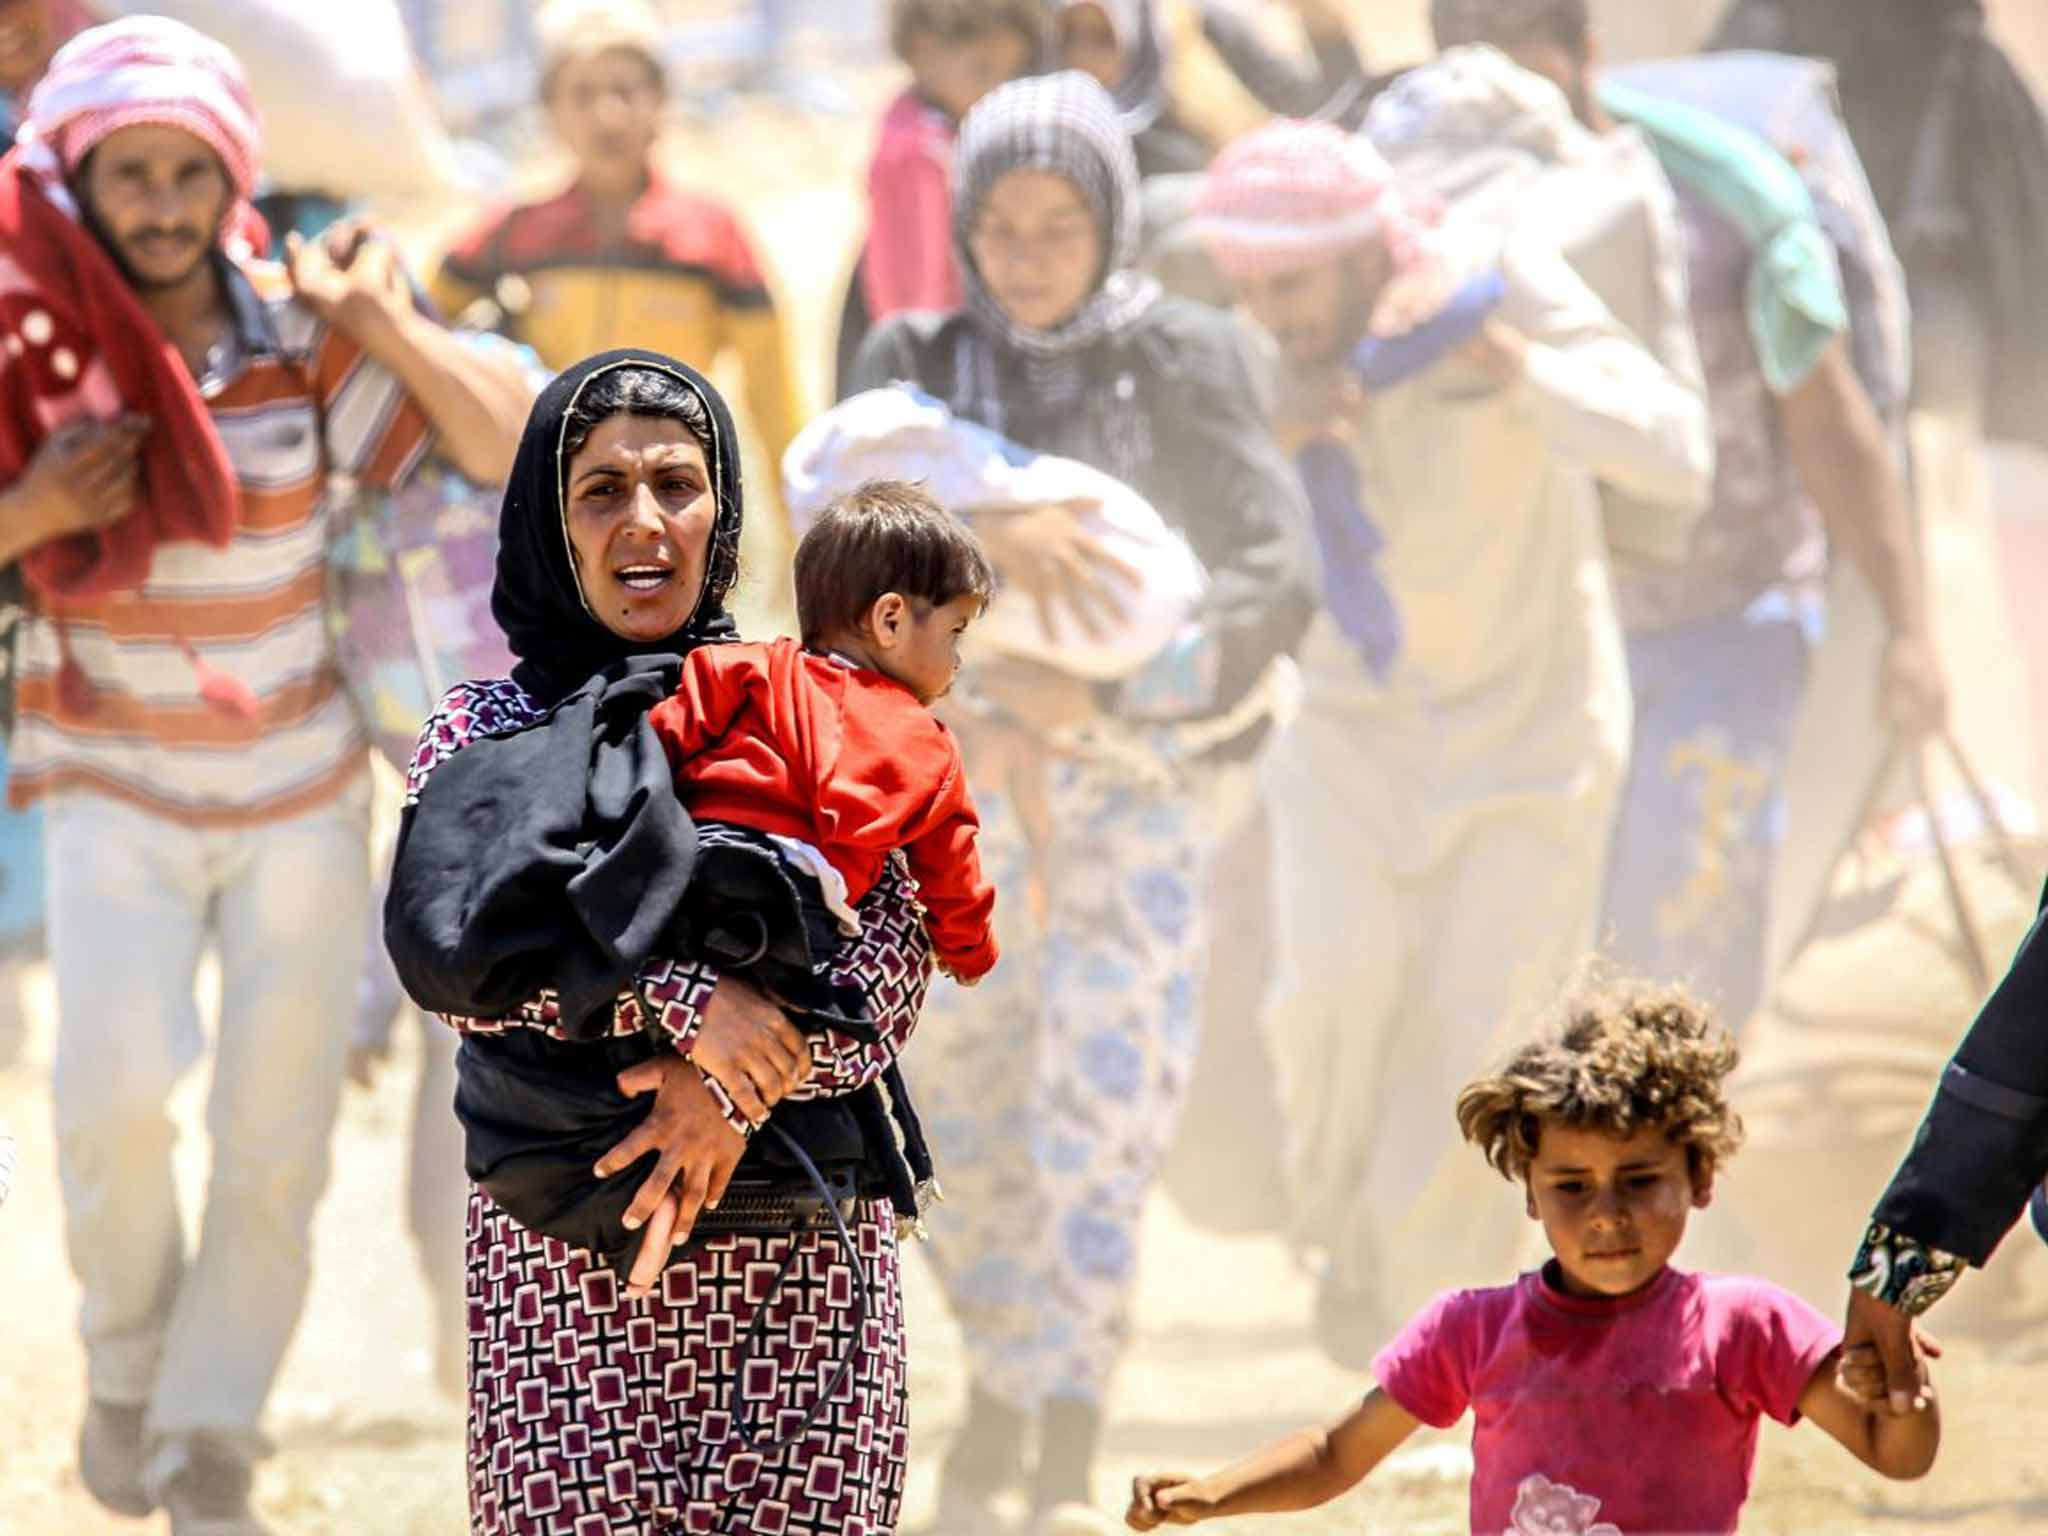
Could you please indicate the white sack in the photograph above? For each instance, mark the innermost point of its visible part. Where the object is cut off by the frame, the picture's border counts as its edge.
(345, 110)
(898, 434)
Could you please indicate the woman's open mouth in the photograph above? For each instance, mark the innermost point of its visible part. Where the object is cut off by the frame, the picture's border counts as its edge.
(644, 578)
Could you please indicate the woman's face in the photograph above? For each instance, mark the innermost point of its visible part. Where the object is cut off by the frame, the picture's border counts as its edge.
(1088, 42)
(641, 510)
(1036, 246)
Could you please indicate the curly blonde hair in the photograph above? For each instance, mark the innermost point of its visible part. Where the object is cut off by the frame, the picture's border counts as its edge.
(1624, 1056)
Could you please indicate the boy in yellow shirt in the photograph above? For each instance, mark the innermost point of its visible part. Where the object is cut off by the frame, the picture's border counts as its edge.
(622, 253)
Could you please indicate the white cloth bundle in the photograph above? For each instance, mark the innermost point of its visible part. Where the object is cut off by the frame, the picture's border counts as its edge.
(899, 434)
(344, 108)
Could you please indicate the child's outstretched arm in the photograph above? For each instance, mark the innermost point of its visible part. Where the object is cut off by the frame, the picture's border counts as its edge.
(1898, 1446)
(1308, 1468)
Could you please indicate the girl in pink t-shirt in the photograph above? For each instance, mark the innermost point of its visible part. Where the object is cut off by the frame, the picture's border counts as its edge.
(1611, 1394)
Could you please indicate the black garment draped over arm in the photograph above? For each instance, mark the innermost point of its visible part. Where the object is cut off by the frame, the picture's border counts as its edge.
(1214, 470)
(1983, 1148)
(549, 858)
(555, 856)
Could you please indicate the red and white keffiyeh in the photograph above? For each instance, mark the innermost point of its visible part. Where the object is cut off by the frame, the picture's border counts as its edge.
(75, 342)
(145, 69)
(1293, 193)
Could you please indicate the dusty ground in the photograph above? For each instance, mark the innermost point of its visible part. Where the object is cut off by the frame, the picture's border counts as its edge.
(1223, 1359)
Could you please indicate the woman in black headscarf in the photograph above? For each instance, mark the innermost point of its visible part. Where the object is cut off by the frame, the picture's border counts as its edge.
(1080, 1044)
(691, 1393)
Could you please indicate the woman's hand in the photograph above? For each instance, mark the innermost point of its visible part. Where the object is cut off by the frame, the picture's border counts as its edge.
(747, 1043)
(696, 1143)
(1045, 552)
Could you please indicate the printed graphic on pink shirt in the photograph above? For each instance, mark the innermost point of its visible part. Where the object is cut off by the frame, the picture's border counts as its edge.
(1544, 1508)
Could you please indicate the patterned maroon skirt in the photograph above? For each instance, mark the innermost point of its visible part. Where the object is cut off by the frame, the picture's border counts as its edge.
(591, 1415)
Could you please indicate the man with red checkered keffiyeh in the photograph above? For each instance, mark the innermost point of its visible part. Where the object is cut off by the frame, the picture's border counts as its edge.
(1441, 808)
(174, 420)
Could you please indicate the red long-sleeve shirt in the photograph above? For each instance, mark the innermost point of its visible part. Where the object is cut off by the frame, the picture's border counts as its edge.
(782, 740)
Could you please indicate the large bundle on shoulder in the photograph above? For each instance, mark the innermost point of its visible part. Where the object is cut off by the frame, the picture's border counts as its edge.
(345, 109)
(1498, 150)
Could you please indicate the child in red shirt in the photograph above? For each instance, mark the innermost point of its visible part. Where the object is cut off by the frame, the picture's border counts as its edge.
(827, 748)
(1611, 1394)
(957, 52)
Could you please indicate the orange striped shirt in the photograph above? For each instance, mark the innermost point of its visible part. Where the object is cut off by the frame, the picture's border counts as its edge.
(304, 414)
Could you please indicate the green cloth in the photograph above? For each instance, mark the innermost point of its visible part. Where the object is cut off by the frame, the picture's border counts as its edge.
(1796, 304)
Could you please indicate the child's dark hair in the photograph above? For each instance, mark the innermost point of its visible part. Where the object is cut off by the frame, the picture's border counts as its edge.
(1507, 23)
(964, 21)
(886, 536)
(1625, 1056)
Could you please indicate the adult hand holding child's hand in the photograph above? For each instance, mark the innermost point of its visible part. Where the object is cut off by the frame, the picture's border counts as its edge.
(1884, 1356)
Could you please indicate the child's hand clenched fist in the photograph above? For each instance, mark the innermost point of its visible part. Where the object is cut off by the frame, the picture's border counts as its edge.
(1164, 1500)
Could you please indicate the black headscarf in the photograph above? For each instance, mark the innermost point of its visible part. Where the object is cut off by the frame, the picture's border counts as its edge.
(537, 600)
(557, 856)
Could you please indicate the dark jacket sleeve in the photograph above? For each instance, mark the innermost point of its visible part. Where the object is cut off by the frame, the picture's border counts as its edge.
(1983, 1148)
(1238, 497)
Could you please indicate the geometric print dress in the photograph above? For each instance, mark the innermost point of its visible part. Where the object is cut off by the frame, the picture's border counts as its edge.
(593, 1415)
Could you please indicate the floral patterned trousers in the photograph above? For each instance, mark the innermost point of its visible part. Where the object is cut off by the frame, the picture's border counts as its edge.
(1051, 1091)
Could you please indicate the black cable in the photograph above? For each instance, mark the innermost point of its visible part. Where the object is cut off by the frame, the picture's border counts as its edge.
(759, 1326)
